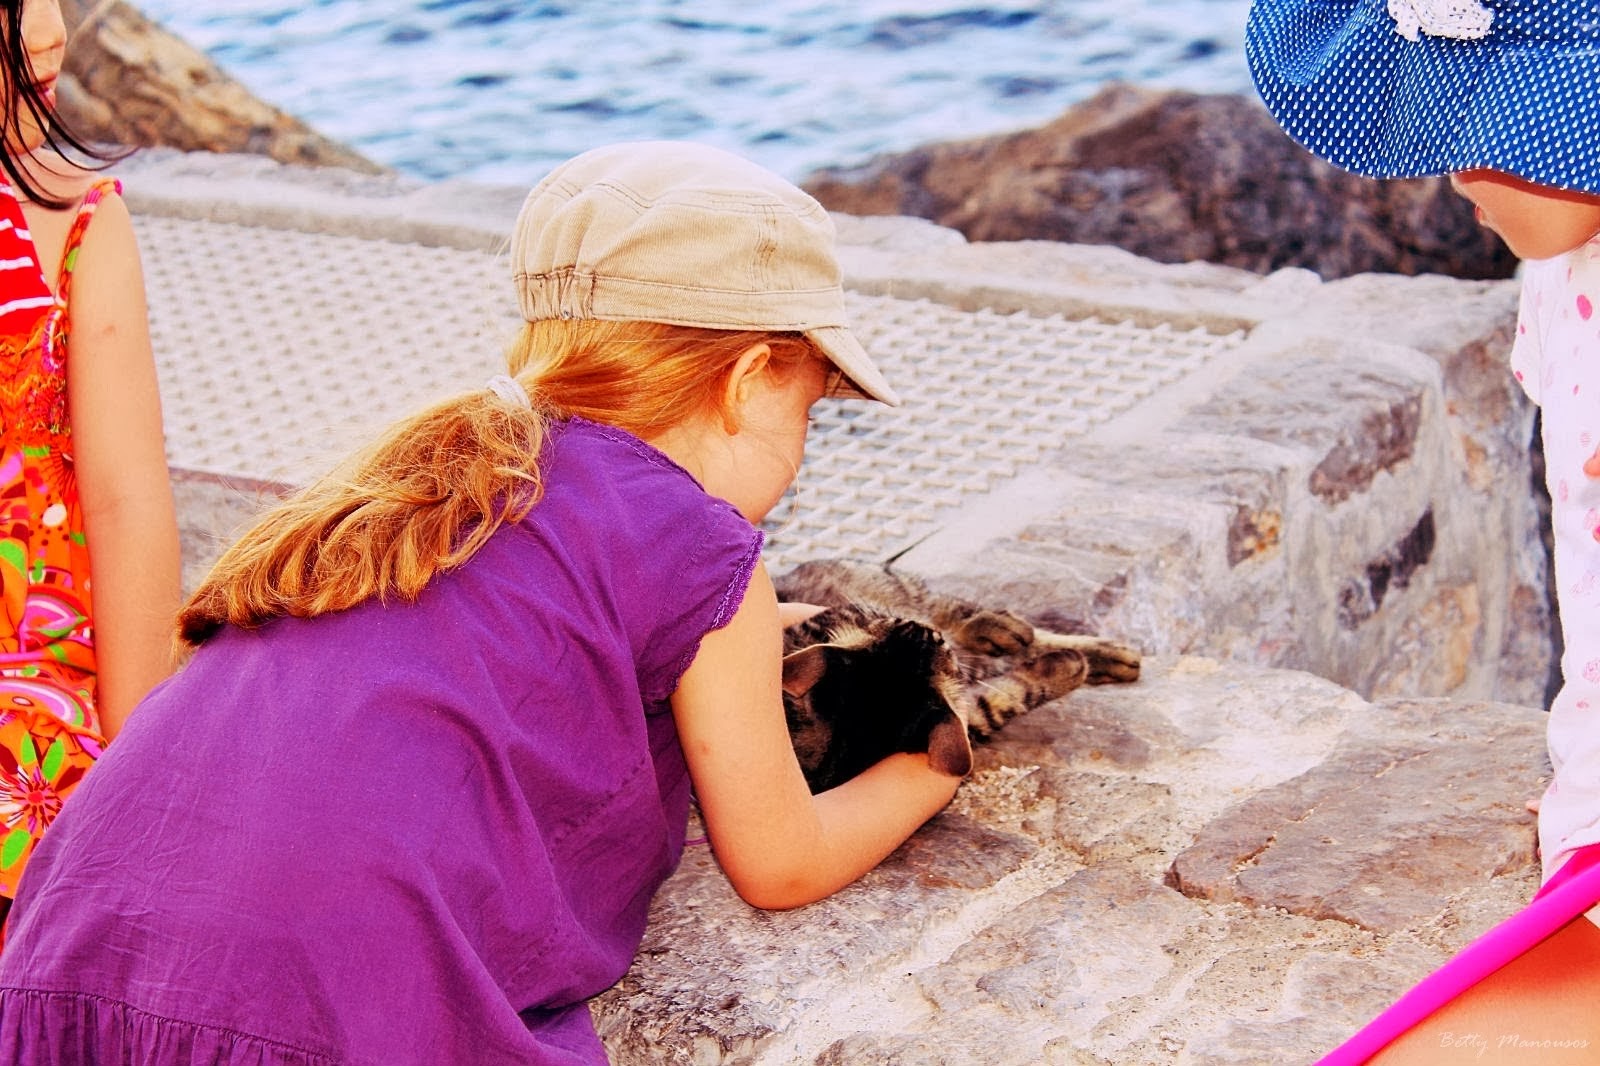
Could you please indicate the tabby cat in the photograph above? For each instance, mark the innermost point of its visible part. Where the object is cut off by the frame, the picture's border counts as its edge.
(890, 667)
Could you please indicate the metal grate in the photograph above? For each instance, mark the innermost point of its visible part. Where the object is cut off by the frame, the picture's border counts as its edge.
(985, 395)
(279, 350)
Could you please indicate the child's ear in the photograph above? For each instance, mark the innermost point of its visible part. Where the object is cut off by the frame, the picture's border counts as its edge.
(743, 379)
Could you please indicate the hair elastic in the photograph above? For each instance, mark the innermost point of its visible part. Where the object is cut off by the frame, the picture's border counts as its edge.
(510, 390)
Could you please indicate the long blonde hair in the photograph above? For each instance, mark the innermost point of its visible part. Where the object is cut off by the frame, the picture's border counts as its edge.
(427, 494)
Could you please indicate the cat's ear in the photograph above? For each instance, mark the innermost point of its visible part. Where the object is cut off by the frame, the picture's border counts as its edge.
(804, 668)
(949, 748)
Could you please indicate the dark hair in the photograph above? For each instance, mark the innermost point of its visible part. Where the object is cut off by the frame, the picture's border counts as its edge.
(22, 96)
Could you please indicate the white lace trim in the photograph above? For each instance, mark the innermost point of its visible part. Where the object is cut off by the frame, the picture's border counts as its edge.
(1464, 20)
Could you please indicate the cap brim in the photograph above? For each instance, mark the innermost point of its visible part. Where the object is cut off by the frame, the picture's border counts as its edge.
(863, 379)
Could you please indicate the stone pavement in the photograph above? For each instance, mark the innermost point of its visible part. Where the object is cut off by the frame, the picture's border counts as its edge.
(1309, 503)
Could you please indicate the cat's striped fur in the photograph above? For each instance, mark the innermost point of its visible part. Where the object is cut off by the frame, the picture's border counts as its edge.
(889, 666)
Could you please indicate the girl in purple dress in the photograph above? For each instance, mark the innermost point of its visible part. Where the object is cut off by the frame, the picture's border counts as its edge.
(411, 797)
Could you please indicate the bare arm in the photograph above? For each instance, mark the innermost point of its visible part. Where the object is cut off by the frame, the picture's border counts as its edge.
(121, 463)
(792, 614)
(781, 846)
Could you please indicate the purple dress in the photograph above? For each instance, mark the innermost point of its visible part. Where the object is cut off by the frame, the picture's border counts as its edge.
(413, 833)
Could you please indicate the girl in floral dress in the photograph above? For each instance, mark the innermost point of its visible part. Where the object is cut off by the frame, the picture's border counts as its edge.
(82, 461)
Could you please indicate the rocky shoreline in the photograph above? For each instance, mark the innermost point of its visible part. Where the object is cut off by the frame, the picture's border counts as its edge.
(127, 81)
(1175, 177)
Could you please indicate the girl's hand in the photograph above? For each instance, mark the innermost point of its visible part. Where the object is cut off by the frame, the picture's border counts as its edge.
(781, 846)
(1591, 465)
(792, 614)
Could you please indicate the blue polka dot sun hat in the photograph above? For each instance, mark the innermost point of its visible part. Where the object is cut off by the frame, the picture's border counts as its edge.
(1410, 88)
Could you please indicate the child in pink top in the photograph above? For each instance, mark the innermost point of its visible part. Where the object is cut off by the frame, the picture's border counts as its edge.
(1502, 96)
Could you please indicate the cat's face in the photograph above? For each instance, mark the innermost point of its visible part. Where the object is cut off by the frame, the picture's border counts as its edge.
(886, 686)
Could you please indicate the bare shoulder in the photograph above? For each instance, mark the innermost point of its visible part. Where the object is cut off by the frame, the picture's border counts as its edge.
(110, 241)
(57, 177)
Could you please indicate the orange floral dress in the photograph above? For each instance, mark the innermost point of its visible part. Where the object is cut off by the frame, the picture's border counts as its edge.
(49, 731)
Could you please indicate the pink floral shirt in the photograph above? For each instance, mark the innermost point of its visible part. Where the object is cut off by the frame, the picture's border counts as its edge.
(1556, 357)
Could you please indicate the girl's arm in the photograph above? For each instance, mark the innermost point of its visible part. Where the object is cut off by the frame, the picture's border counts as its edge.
(121, 465)
(781, 846)
(792, 614)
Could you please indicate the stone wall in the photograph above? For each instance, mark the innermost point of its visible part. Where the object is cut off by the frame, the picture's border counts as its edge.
(1234, 861)
(1219, 866)
(1349, 494)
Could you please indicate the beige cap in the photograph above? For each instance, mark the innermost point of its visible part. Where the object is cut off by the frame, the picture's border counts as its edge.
(683, 233)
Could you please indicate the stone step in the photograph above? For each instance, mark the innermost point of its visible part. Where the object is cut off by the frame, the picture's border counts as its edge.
(1221, 865)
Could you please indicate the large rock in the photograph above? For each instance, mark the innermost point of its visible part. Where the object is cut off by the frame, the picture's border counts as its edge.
(1137, 874)
(129, 82)
(1175, 177)
(1342, 841)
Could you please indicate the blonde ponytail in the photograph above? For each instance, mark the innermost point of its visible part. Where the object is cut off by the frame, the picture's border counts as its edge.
(436, 486)
(421, 499)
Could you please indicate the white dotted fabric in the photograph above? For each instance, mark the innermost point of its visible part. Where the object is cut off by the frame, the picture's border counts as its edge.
(1408, 88)
(279, 351)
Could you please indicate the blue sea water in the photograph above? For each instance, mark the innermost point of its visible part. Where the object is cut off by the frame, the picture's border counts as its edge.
(498, 90)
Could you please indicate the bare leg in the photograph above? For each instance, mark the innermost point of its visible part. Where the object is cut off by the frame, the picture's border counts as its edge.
(1540, 1009)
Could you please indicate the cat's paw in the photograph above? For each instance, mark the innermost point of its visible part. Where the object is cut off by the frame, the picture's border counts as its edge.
(994, 633)
(1056, 672)
(1111, 662)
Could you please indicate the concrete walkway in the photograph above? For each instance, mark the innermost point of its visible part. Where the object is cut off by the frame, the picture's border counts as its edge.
(1307, 502)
